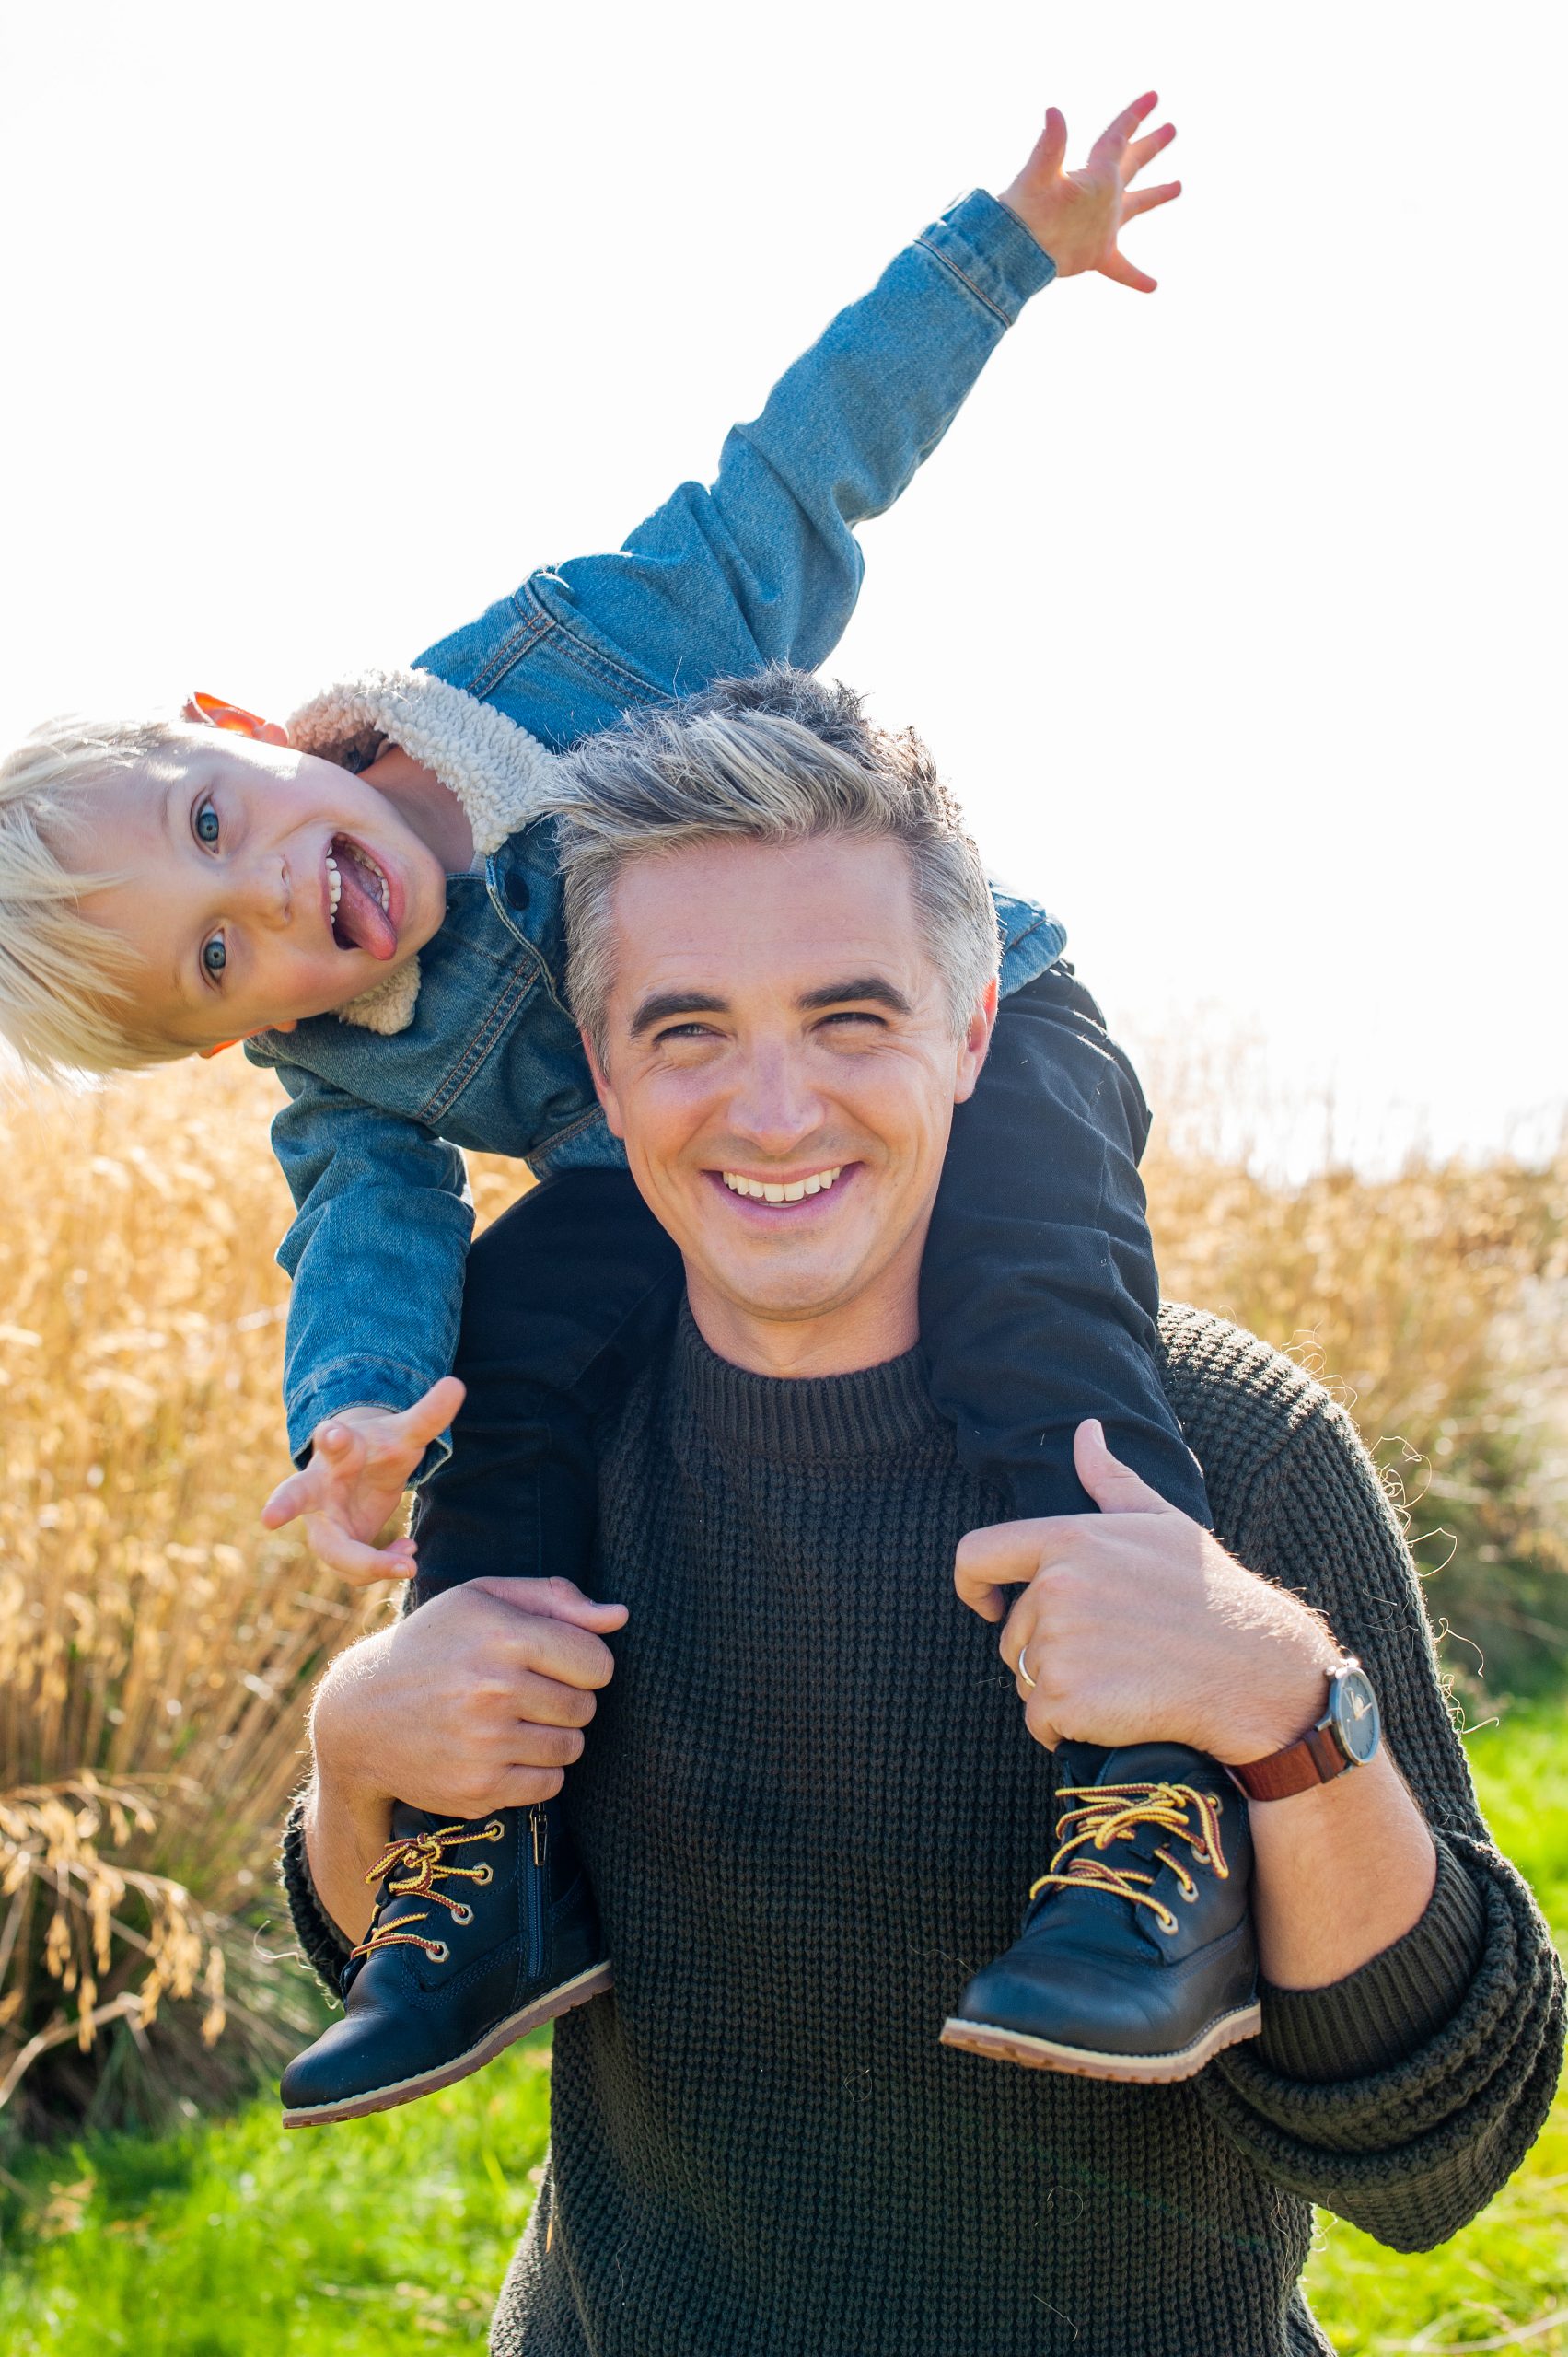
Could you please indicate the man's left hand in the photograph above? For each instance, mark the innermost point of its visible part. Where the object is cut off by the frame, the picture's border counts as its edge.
(1139, 1628)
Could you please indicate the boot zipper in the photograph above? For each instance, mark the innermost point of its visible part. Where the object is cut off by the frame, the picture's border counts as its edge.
(539, 1828)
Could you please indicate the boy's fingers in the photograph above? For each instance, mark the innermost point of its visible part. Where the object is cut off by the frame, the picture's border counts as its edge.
(428, 1416)
(1116, 134)
(297, 1495)
(1051, 147)
(1144, 200)
(351, 1559)
(1127, 274)
(1143, 151)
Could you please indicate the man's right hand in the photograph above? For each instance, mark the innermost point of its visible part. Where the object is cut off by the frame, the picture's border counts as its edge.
(361, 1462)
(476, 1701)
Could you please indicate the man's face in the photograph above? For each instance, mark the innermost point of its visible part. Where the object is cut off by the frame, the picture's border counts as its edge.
(236, 853)
(782, 1070)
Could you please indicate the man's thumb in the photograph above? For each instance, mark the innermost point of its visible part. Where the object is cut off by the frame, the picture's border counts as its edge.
(1114, 1487)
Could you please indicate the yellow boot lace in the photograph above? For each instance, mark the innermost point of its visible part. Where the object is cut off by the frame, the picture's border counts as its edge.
(1108, 1813)
(414, 1869)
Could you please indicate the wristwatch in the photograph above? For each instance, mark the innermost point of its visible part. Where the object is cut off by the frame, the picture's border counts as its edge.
(1347, 1736)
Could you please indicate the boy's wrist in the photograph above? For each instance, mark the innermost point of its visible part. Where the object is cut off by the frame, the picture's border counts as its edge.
(991, 252)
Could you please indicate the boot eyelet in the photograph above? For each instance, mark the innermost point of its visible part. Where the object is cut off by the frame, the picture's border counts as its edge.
(461, 1914)
(496, 1830)
(440, 1953)
(485, 1873)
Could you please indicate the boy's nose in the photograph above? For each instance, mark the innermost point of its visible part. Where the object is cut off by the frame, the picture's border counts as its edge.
(269, 891)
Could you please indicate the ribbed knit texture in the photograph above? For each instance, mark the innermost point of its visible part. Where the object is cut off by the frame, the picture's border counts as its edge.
(810, 1812)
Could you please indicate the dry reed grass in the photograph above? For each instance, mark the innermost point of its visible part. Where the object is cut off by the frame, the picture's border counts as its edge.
(157, 1647)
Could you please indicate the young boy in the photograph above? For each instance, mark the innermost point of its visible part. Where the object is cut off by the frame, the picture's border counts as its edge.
(370, 898)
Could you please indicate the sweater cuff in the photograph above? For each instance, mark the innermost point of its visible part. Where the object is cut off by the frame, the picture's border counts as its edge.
(326, 1949)
(1393, 2005)
(989, 249)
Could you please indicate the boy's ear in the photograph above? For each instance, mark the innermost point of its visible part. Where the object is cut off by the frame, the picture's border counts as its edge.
(292, 1025)
(218, 713)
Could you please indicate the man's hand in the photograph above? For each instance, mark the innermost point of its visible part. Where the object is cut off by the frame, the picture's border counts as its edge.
(361, 1461)
(1139, 1628)
(474, 1702)
(1078, 217)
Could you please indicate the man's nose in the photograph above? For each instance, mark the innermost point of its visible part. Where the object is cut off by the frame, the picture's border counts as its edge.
(776, 1102)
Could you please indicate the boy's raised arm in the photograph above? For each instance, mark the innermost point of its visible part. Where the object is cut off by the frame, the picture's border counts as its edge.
(762, 565)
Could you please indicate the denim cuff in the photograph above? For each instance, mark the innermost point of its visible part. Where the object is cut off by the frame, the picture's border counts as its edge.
(361, 1383)
(991, 252)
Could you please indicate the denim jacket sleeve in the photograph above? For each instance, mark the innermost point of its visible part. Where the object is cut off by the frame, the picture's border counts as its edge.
(377, 1193)
(763, 565)
(760, 566)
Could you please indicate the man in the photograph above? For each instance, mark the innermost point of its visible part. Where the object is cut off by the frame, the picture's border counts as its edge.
(808, 1795)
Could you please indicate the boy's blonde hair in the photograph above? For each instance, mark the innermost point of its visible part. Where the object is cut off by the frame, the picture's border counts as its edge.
(63, 1001)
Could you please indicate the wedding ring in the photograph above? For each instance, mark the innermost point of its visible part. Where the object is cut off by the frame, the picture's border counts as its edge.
(1024, 1669)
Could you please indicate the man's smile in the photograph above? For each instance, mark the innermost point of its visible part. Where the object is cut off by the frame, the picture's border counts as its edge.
(775, 1189)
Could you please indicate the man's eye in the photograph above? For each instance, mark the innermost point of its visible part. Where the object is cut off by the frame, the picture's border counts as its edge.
(207, 823)
(215, 954)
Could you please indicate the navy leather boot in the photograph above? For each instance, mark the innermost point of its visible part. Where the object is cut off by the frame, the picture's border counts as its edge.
(483, 1931)
(1137, 1959)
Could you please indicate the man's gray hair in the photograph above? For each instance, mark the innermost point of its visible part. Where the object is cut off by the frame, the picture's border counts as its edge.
(779, 758)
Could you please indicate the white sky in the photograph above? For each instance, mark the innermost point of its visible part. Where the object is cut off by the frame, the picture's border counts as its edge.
(1234, 613)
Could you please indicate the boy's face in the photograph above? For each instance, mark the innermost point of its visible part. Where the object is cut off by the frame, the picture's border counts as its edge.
(263, 885)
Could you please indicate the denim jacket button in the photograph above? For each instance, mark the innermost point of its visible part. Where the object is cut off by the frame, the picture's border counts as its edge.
(516, 890)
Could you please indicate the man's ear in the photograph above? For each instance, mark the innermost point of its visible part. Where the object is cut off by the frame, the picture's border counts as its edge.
(217, 714)
(976, 1043)
(602, 1088)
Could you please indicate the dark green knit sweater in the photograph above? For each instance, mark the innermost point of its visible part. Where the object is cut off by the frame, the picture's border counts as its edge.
(810, 1811)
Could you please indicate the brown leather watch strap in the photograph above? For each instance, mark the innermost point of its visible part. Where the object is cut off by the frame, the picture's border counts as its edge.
(1316, 1758)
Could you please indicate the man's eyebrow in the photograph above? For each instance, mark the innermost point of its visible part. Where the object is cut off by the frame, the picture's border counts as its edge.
(661, 1004)
(874, 987)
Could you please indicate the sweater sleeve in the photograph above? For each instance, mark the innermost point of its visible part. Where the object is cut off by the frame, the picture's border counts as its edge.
(326, 1950)
(1404, 2096)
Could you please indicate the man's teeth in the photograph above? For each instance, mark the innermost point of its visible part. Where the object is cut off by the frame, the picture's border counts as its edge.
(770, 1191)
(334, 883)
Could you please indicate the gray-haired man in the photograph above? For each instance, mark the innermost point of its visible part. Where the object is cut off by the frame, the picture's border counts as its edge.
(805, 1801)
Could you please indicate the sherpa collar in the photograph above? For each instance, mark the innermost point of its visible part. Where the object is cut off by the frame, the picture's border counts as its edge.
(500, 774)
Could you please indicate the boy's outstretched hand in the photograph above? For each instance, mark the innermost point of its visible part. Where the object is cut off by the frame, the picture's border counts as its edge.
(361, 1461)
(1078, 217)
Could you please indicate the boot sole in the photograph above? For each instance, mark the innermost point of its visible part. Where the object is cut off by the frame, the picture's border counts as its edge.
(1081, 2062)
(570, 1994)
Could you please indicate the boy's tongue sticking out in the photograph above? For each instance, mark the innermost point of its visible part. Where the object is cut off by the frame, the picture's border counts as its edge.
(359, 909)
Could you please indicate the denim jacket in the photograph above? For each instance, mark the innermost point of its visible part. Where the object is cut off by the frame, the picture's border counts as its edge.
(761, 567)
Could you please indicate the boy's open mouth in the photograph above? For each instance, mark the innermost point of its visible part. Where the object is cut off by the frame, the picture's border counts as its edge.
(358, 898)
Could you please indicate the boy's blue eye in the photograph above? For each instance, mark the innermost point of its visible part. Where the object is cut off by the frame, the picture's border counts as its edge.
(214, 956)
(207, 824)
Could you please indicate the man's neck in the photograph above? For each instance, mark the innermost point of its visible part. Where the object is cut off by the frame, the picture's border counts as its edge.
(867, 1332)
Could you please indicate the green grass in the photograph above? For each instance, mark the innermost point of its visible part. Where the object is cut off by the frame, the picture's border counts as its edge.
(379, 2239)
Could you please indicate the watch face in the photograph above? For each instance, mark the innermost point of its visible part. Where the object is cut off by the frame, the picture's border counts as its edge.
(1355, 1713)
